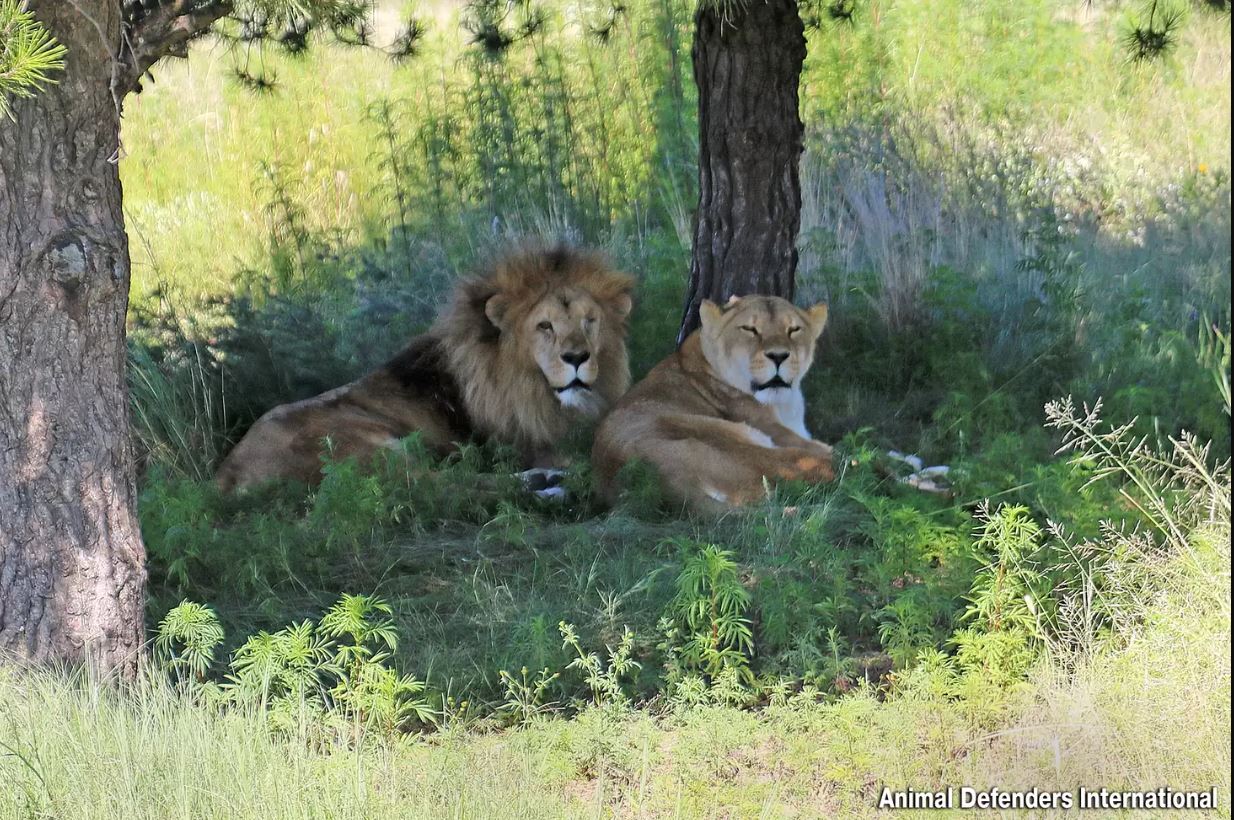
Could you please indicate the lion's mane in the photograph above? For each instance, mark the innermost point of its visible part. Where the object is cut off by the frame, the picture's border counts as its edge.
(504, 393)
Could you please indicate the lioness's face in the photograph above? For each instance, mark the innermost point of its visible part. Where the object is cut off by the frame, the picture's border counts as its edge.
(565, 333)
(761, 345)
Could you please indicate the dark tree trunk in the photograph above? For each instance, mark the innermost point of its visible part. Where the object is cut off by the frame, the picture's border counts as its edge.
(747, 68)
(72, 563)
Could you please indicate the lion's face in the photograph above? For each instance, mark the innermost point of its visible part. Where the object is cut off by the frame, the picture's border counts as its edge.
(565, 335)
(565, 338)
(761, 345)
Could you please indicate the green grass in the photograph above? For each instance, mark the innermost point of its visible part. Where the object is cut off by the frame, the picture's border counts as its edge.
(1098, 662)
(482, 583)
(1150, 709)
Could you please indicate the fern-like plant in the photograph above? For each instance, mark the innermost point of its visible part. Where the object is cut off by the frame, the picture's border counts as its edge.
(1001, 599)
(186, 639)
(525, 694)
(1172, 490)
(380, 698)
(709, 611)
(364, 621)
(903, 630)
(371, 693)
(604, 679)
(289, 666)
(331, 678)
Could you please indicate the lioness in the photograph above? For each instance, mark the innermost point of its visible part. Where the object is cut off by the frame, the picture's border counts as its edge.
(723, 412)
(519, 355)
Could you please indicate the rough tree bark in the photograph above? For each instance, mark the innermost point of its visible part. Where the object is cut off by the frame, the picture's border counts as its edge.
(747, 64)
(72, 563)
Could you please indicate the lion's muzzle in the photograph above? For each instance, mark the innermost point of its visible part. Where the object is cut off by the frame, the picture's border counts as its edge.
(577, 384)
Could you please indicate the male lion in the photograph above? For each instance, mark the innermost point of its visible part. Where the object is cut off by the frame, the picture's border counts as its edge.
(723, 412)
(519, 355)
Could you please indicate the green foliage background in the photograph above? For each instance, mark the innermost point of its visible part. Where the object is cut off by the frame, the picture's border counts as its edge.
(999, 206)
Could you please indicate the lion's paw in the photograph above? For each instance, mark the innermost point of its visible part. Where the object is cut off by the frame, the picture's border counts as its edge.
(540, 480)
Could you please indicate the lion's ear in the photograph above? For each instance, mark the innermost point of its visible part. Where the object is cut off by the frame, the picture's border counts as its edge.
(818, 317)
(618, 295)
(709, 313)
(495, 310)
(624, 303)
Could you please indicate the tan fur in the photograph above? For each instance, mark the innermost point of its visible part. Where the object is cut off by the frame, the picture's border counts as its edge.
(705, 417)
(488, 368)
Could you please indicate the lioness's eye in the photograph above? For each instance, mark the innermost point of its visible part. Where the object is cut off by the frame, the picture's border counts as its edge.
(545, 325)
(793, 330)
(750, 329)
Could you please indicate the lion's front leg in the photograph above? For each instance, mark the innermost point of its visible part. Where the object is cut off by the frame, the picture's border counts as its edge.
(727, 462)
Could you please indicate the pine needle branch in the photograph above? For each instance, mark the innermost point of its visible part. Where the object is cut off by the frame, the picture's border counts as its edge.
(29, 55)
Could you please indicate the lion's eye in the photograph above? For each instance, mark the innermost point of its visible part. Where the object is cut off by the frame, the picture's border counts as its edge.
(545, 325)
(750, 329)
(793, 330)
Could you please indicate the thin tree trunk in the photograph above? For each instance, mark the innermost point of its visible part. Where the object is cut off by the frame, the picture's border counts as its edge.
(747, 64)
(72, 563)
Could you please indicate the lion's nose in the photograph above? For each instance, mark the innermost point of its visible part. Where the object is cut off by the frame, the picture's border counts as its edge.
(575, 359)
(776, 356)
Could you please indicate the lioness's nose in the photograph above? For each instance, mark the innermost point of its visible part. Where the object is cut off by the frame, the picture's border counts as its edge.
(575, 359)
(776, 356)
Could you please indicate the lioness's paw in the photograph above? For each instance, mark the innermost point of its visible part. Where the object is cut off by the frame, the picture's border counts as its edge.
(912, 461)
(926, 479)
(930, 480)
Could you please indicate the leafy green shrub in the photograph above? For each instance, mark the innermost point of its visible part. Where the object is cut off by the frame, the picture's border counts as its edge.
(524, 696)
(915, 569)
(349, 504)
(706, 630)
(330, 681)
(186, 640)
(604, 677)
(1004, 597)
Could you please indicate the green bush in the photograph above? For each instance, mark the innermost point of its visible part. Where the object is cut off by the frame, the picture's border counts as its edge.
(324, 683)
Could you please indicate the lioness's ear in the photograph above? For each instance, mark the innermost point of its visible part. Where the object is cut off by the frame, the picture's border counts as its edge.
(818, 317)
(495, 310)
(709, 313)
